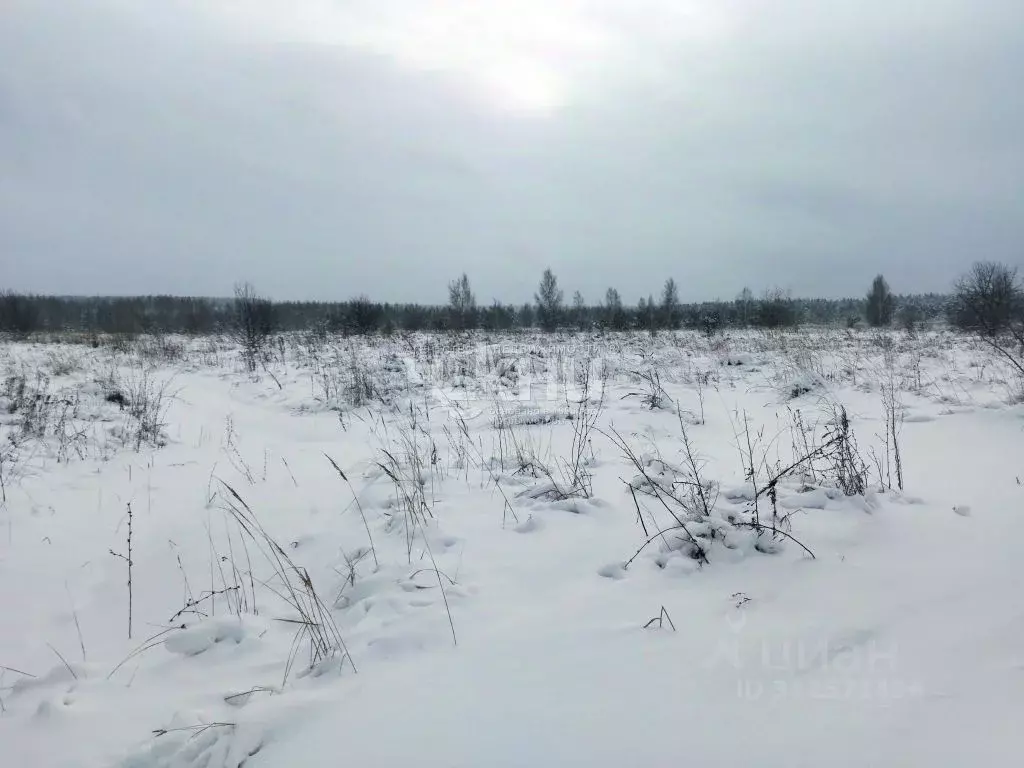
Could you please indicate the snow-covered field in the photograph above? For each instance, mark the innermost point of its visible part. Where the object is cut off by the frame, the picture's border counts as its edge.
(512, 551)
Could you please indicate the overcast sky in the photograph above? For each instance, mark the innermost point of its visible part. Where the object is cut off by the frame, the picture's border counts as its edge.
(326, 148)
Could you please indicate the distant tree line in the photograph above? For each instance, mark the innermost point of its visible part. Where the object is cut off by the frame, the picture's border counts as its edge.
(247, 315)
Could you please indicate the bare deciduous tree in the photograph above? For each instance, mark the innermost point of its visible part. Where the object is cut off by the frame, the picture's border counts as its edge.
(579, 310)
(988, 300)
(777, 310)
(745, 306)
(461, 304)
(670, 305)
(647, 314)
(615, 315)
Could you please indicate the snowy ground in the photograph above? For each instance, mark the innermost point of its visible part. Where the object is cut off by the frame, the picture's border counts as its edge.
(455, 592)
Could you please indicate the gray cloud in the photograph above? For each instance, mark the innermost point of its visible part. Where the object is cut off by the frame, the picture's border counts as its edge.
(380, 148)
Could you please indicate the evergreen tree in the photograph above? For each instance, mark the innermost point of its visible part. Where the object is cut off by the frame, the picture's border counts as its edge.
(549, 301)
(880, 305)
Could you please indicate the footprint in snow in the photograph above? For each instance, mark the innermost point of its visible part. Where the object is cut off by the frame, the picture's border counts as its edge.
(918, 418)
(613, 571)
(528, 526)
(200, 637)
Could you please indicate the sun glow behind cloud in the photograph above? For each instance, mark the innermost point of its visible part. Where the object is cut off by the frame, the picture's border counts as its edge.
(519, 56)
(523, 86)
(525, 57)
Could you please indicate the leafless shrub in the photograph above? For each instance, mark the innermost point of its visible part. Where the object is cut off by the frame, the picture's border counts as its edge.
(701, 380)
(63, 362)
(832, 458)
(71, 432)
(230, 448)
(846, 467)
(653, 394)
(700, 495)
(161, 348)
(362, 514)
(675, 492)
(30, 400)
(126, 556)
(147, 400)
(314, 624)
(466, 442)
(802, 437)
(989, 301)
(764, 477)
(893, 407)
(409, 474)
(361, 387)
(520, 449)
(252, 325)
(566, 477)
(585, 414)
(51, 418)
(12, 465)
(406, 465)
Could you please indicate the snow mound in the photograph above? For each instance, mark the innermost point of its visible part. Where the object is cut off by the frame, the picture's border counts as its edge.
(201, 637)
